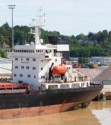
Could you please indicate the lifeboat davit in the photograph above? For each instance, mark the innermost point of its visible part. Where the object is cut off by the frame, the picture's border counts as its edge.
(61, 69)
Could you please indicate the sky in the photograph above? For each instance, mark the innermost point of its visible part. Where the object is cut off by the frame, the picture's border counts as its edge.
(69, 17)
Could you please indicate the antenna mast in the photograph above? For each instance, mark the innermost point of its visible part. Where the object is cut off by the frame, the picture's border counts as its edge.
(37, 27)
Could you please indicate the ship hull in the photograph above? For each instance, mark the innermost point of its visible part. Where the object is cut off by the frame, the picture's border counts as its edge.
(44, 102)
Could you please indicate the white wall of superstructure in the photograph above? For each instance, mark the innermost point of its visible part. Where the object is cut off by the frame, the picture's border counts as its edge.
(31, 63)
(62, 47)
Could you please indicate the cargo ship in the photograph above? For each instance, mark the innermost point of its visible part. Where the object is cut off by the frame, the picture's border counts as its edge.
(42, 82)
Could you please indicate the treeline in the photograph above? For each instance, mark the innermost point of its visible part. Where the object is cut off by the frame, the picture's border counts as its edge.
(93, 44)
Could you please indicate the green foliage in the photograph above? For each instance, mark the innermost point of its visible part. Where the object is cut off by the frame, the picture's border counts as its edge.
(45, 34)
(94, 44)
(3, 54)
(83, 46)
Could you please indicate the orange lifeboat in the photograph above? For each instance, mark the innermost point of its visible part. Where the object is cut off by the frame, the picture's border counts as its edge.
(61, 69)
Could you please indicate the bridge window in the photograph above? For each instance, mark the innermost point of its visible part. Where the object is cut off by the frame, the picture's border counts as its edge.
(16, 58)
(22, 67)
(27, 59)
(34, 59)
(16, 67)
(34, 68)
(29, 76)
(55, 60)
(15, 75)
(21, 75)
(27, 67)
(42, 77)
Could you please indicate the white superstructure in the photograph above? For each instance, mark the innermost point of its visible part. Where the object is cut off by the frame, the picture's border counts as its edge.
(33, 63)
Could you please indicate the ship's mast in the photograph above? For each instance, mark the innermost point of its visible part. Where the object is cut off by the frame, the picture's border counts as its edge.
(36, 30)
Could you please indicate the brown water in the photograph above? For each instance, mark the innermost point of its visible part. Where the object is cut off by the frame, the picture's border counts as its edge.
(98, 113)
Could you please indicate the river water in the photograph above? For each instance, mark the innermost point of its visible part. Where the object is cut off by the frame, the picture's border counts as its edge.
(98, 113)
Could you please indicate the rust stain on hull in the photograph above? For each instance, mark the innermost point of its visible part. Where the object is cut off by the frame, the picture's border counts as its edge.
(34, 111)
